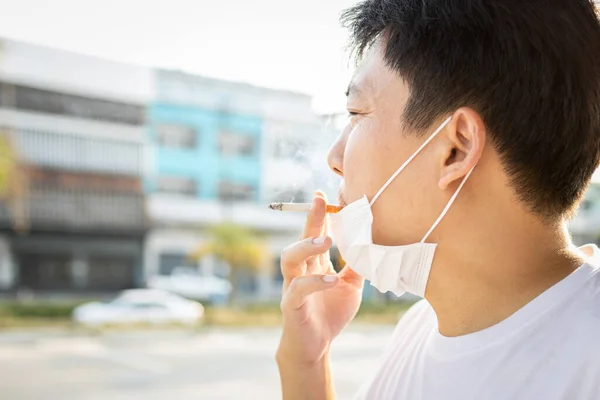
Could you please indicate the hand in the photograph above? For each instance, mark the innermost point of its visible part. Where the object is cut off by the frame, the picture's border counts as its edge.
(317, 303)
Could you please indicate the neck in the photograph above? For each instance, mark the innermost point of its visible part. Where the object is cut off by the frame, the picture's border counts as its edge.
(505, 266)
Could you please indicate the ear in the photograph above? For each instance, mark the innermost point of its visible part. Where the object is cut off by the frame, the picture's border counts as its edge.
(466, 137)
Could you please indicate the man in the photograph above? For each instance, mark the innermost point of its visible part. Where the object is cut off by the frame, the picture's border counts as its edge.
(510, 92)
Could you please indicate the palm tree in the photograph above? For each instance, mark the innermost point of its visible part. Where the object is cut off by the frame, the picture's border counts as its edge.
(13, 183)
(240, 248)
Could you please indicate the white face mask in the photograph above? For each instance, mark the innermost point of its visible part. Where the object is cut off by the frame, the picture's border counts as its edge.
(398, 269)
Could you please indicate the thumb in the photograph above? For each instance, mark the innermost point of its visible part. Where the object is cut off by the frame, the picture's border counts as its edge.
(303, 286)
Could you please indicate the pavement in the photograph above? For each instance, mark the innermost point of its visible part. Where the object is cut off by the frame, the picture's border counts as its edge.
(219, 364)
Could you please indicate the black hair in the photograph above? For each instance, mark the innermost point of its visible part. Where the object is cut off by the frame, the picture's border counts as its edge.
(531, 69)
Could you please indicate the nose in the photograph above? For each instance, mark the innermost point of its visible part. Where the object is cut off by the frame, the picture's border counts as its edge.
(335, 158)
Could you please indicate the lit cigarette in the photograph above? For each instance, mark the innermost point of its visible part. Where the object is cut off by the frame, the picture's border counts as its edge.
(301, 207)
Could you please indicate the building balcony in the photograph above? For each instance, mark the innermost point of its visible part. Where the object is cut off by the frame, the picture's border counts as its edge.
(70, 152)
(74, 211)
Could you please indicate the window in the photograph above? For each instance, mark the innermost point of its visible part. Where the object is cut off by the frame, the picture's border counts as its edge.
(229, 191)
(176, 185)
(170, 261)
(45, 271)
(111, 272)
(27, 98)
(63, 151)
(235, 144)
(176, 136)
(149, 306)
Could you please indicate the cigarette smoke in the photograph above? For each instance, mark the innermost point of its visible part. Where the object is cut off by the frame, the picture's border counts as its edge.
(309, 153)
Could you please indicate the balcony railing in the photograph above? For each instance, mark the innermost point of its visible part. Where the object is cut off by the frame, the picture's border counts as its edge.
(78, 153)
(33, 99)
(82, 211)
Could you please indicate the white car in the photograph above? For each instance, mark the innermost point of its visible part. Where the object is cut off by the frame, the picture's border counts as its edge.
(140, 306)
(189, 283)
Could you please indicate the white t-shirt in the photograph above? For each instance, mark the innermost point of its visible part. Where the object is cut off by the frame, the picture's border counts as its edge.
(547, 350)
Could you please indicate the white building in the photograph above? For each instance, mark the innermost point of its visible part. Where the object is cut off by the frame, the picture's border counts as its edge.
(79, 123)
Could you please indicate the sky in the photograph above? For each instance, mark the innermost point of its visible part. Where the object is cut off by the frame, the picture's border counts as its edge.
(296, 45)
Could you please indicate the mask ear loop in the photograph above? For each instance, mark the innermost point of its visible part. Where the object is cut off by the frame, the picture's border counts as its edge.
(445, 211)
(425, 143)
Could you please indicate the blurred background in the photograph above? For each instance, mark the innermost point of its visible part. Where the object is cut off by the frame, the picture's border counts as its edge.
(140, 143)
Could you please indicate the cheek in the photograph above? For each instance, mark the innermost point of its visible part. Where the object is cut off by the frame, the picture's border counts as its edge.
(404, 212)
(408, 207)
(362, 162)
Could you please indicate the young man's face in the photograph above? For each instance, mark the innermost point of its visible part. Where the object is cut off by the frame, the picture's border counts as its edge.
(374, 144)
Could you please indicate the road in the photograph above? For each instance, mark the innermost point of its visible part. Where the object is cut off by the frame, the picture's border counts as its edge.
(155, 365)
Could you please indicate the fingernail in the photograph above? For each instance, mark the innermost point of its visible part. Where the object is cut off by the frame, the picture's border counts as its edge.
(330, 278)
(319, 241)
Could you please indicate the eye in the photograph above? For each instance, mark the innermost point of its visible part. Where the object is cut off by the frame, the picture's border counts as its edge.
(353, 119)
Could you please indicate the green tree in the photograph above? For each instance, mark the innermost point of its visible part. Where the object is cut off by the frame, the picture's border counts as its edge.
(14, 183)
(242, 249)
(14, 188)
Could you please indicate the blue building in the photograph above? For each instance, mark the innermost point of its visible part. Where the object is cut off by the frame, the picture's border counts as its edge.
(205, 162)
(210, 154)
(215, 155)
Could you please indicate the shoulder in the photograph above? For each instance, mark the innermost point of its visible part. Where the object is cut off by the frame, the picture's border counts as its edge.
(576, 321)
(589, 298)
(418, 317)
(420, 311)
(591, 303)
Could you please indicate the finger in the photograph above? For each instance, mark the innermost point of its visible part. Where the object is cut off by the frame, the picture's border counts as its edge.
(324, 264)
(348, 275)
(321, 193)
(325, 230)
(303, 286)
(293, 257)
(316, 218)
(326, 226)
(319, 265)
